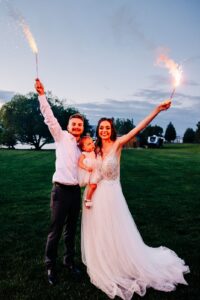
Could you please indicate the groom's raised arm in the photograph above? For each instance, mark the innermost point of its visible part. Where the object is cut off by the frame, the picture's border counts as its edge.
(49, 118)
(127, 137)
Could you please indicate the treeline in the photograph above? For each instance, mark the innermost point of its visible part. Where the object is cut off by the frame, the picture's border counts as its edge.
(21, 121)
(123, 126)
(192, 136)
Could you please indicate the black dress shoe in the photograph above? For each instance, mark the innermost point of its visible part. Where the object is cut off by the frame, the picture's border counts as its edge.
(51, 276)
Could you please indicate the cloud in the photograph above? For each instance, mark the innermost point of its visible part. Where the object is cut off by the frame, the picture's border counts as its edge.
(180, 100)
(192, 83)
(161, 80)
(5, 96)
(113, 108)
(184, 112)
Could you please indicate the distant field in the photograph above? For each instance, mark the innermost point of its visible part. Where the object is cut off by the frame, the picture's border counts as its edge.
(162, 188)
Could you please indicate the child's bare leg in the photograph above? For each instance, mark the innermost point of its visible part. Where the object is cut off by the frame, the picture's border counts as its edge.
(91, 188)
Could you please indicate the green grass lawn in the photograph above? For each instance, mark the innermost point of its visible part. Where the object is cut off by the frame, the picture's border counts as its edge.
(162, 188)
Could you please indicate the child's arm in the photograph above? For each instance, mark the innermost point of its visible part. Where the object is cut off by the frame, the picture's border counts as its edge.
(82, 165)
(127, 137)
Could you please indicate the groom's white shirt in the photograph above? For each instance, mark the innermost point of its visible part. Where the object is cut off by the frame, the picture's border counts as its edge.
(67, 151)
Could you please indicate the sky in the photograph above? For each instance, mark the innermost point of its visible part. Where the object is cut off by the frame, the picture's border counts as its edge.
(99, 56)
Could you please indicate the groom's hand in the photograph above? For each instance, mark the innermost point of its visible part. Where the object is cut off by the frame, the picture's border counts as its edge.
(39, 87)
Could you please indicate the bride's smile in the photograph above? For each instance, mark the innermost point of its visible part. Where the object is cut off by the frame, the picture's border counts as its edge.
(105, 130)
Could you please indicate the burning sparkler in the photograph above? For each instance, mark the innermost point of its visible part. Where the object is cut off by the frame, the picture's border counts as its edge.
(31, 40)
(26, 30)
(174, 69)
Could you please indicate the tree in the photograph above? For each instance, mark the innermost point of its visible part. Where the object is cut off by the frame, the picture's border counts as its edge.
(189, 136)
(170, 133)
(149, 131)
(123, 126)
(197, 133)
(157, 130)
(22, 116)
(1, 132)
(8, 138)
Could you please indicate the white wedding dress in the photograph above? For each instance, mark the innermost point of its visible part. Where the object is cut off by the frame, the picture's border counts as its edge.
(117, 260)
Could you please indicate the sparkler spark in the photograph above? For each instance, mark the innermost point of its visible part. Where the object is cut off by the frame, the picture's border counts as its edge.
(174, 69)
(30, 39)
(27, 32)
(28, 35)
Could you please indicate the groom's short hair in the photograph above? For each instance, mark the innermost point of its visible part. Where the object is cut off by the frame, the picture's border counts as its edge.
(76, 116)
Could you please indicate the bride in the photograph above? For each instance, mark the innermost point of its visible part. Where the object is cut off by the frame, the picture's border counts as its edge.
(117, 260)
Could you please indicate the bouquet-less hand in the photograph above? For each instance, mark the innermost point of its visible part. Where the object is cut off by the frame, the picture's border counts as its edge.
(144, 123)
(39, 87)
(89, 169)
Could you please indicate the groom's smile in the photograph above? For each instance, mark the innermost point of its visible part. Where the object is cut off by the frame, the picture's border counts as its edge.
(75, 127)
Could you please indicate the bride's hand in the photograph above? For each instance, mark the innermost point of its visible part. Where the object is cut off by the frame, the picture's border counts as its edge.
(164, 105)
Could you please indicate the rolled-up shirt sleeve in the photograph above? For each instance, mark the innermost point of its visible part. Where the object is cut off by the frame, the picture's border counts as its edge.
(49, 118)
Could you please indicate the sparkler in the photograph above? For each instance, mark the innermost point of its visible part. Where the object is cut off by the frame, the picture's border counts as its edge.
(30, 39)
(27, 33)
(174, 69)
(177, 78)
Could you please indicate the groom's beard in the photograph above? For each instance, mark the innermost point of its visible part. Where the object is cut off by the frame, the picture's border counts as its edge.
(76, 132)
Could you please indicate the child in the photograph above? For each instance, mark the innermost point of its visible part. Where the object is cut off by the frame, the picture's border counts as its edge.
(89, 168)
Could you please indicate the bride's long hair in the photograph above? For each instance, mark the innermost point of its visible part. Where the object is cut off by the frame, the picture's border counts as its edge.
(113, 137)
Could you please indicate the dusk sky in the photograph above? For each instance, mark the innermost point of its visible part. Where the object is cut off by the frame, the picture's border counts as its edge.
(99, 55)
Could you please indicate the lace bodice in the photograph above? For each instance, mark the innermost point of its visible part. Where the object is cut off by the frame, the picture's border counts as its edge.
(110, 167)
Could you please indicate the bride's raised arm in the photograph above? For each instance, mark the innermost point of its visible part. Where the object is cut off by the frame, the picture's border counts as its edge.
(127, 137)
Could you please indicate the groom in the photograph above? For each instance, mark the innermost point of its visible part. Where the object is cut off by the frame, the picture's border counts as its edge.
(65, 195)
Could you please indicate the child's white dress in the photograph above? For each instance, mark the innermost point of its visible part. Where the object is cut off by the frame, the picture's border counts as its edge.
(85, 177)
